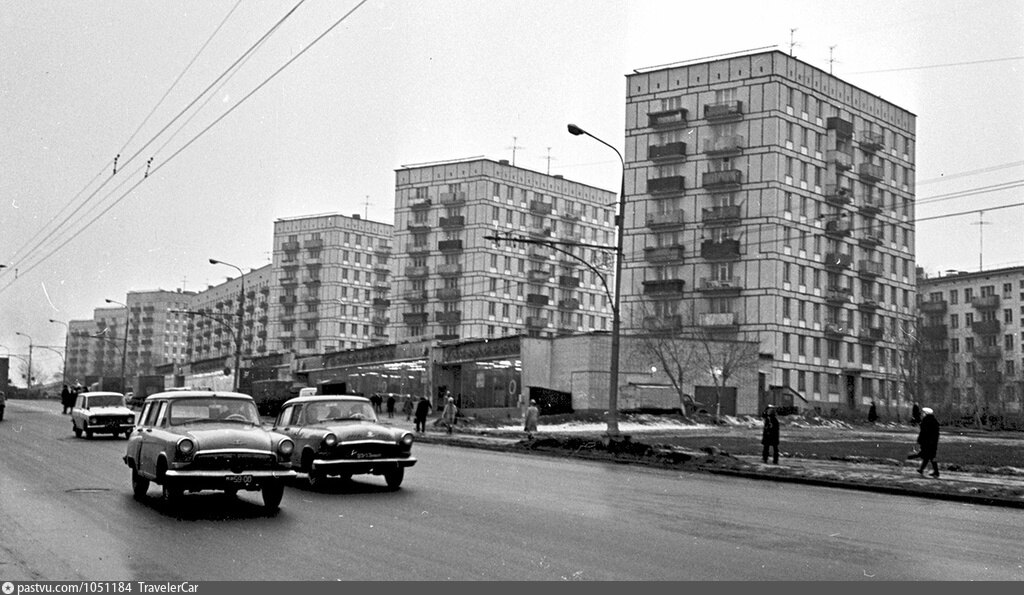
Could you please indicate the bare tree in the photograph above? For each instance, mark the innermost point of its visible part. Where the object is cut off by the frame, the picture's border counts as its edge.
(723, 359)
(664, 340)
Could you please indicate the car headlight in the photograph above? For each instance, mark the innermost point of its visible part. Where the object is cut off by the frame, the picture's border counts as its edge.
(186, 447)
(330, 440)
(286, 447)
(406, 440)
(94, 420)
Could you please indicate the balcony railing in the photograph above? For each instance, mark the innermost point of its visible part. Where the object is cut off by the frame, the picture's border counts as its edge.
(454, 221)
(842, 159)
(721, 214)
(381, 303)
(418, 271)
(718, 319)
(871, 334)
(290, 246)
(449, 270)
(836, 329)
(934, 307)
(837, 227)
(664, 253)
(313, 244)
(870, 206)
(537, 299)
(870, 301)
(416, 297)
(568, 281)
(988, 352)
(666, 184)
(664, 286)
(663, 323)
(666, 151)
(870, 172)
(569, 304)
(985, 327)
(871, 141)
(871, 238)
(536, 322)
(721, 179)
(870, 268)
(838, 295)
(537, 276)
(987, 302)
(724, 110)
(538, 252)
(675, 117)
(843, 128)
(422, 203)
(838, 195)
(448, 198)
(448, 317)
(720, 250)
(724, 145)
(731, 284)
(449, 293)
(538, 207)
(669, 218)
(308, 334)
(449, 245)
(414, 317)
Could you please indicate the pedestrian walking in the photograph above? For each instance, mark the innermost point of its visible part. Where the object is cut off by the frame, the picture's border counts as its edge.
(65, 399)
(915, 414)
(928, 440)
(407, 407)
(449, 413)
(872, 413)
(376, 400)
(530, 419)
(391, 405)
(770, 435)
(422, 411)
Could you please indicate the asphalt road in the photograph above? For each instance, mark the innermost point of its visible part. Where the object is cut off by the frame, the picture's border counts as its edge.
(66, 513)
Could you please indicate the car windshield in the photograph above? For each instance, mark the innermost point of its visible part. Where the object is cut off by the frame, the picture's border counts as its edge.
(203, 409)
(339, 411)
(105, 401)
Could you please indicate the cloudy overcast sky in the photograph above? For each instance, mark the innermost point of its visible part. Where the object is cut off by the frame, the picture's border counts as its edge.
(404, 82)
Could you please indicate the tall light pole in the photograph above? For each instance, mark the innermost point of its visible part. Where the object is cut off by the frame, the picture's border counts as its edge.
(29, 360)
(124, 345)
(241, 312)
(67, 338)
(613, 382)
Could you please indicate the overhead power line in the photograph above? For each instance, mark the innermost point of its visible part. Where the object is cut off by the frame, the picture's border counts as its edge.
(945, 65)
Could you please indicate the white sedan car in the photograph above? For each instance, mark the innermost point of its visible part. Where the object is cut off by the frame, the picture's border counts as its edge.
(101, 413)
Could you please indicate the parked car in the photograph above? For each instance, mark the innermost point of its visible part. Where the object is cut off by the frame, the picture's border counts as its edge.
(101, 413)
(338, 435)
(194, 440)
(3, 404)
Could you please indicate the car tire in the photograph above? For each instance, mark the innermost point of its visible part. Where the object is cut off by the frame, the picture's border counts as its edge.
(78, 430)
(140, 485)
(273, 491)
(394, 477)
(88, 433)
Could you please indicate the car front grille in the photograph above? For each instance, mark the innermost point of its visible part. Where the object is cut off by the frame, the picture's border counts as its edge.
(236, 462)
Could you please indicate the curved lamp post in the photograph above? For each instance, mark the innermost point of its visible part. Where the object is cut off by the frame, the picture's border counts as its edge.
(29, 359)
(613, 382)
(124, 346)
(241, 312)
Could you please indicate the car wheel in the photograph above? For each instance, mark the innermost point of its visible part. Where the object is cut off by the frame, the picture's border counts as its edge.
(88, 433)
(172, 496)
(272, 493)
(78, 431)
(394, 477)
(140, 485)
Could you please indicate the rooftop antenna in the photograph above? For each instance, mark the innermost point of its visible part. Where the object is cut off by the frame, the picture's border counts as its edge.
(184, 278)
(792, 41)
(549, 158)
(981, 223)
(366, 207)
(514, 147)
(831, 60)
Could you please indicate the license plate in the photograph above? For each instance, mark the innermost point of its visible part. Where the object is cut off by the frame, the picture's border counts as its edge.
(367, 455)
(242, 479)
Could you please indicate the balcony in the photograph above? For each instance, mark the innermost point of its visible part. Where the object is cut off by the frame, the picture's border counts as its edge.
(538, 207)
(718, 320)
(664, 286)
(416, 297)
(871, 334)
(838, 195)
(721, 179)
(664, 254)
(986, 302)
(843, 128)
(449, 270)
(311, 280)
(289, 280)
(417, 272)
(933, 307)
(568, 281)
(675, 117)
(381, 303)
(724, 214)
(423, 203)
(667, 219)
(725, 110)
(288, 299)
(537, 299)
(838, 295)
(870, 206)
(414, 317)
(537, 276)
(720, 250)
(382, 250)
(418, 227)
(453, 222)
(870, 141)
(837, 227)
(870, 172)
(836, 329)
(539, 232)
(538, 252)
(311, 299)
(663, 324)
(308, 334)
(985, 327)
(733, 284)
(724, 145)
(988, 352)
(666, 184)
(842, 159)
(571, 214)
(569, 304)
(448, 198)
(536, 322)
(666, 151)
(870, 268)
(290, 246)
(449, 317)
(871, 238)
(870, 301)
(380, 321)
(449, 245)
(938, 332)
(418, 249)
(313, 244)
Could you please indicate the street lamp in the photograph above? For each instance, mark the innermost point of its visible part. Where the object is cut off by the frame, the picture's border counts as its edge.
(67, 338)
(241, 312)
(124, 346)
(29, 360)
(613, 382)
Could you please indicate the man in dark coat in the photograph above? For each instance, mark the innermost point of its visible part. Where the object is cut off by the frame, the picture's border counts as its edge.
(928, 439)
(65, 399)
(872, 413)
(391, 405)
(422, 410)
(915, 415)
(770, 436)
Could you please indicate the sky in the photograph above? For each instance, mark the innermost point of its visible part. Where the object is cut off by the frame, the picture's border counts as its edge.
(317, 119)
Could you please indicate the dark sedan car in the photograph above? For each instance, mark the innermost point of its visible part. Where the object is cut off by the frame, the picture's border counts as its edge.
(338, 435)
(188, 441)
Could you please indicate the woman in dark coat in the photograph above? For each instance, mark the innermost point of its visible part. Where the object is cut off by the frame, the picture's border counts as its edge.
(770, 436)
(422, 410)
(928, 439)
(65, 399)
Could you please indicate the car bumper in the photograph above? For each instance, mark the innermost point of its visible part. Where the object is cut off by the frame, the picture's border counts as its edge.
(220, 480)
(357, 466)
(112, 428)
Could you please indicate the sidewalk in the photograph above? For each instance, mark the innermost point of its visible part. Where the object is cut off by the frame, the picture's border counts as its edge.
(897, 478)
